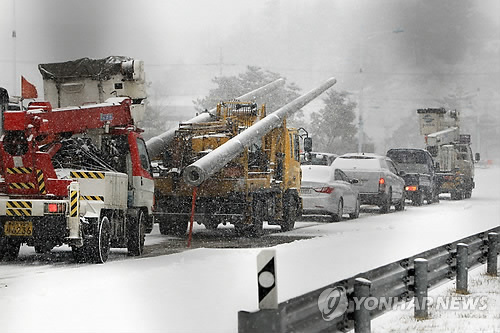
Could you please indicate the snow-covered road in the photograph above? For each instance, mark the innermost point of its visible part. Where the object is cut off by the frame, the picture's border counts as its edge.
(201, 290)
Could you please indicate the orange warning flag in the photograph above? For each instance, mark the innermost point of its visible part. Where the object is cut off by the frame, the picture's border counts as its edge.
(28, 90)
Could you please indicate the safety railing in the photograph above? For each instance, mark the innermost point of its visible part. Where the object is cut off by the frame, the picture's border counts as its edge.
(395, 281)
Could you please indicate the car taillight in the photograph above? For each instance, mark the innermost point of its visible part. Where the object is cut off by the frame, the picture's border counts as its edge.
(411, 188)
(381, 185)
(54, 208)
(327, 190)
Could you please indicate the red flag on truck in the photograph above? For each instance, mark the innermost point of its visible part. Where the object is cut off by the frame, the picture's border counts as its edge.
(28, 90)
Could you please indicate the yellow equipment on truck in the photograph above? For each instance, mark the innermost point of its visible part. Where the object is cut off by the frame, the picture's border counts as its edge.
(244, 164)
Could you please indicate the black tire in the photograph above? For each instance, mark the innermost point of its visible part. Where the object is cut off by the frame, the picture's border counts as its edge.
(355, 214)
(337, 217)
(400, 206)
(290, 212)
(9, 248)
(418, 199)
(386, 204)
(136, 233)
(100, 244)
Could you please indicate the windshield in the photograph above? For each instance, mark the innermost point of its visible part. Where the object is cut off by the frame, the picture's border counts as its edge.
(355, 162)
(316, 173)
(410, 161)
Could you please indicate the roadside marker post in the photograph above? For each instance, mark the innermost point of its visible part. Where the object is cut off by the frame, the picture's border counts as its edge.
(266, 277)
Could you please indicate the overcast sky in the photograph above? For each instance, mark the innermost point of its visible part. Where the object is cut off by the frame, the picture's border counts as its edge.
(408, 52)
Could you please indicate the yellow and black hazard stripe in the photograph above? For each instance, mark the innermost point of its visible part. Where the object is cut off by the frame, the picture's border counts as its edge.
(21, 186)
(73, 212)
(19, 171)
(92, 197)
(18, 208)
(41, 181)
(87, 174)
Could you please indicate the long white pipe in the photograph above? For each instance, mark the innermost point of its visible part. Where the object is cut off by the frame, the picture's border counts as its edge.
(157, 144)
(199, 171)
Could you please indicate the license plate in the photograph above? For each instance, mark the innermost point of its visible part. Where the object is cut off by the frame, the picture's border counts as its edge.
(18, 228)
(305, 191)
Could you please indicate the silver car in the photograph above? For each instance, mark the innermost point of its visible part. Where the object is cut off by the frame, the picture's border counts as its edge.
(379, 181)
(328, 191)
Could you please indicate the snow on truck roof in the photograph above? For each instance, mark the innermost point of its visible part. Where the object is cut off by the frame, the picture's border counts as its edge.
(84, 67)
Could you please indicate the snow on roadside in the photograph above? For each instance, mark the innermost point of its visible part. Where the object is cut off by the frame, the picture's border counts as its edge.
(478, 311)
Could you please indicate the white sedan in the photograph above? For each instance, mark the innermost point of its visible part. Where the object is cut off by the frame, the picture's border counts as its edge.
(326, 190)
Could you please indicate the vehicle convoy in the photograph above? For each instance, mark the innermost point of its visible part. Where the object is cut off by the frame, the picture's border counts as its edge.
(78, 175)
(243, 167)
(420, 178)
(450, 150)
(379, 181)
(328, 191)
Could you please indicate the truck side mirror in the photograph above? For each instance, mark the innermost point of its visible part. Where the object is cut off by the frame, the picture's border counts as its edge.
(477, 157)
(308, 144)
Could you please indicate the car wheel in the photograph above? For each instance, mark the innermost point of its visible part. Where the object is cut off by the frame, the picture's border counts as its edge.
(340, 211)
(386, 205)
(401, 203)
(355, 214)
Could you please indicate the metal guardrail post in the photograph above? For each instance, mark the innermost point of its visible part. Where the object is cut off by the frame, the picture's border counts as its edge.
(462, 267)
(492, 263)
(421, 285)
(362, 319)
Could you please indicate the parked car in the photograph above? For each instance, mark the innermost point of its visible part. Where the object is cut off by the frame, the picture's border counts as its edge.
(317, 158)
(328, 191)
(420, 178)
(379, 181)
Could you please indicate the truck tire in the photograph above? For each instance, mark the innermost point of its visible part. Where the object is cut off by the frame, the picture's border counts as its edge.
(136, 233)
(9, 248)
(386, 204)
(337, 217)
(355, 214)
(290, 212)
(99, 245)
(418, 199)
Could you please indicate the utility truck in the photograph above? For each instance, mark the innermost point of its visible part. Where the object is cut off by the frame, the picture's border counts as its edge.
(243, 167)
(78, 174)
(450, 149)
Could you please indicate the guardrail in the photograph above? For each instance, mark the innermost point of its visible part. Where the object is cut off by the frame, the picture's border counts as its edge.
(395, 280)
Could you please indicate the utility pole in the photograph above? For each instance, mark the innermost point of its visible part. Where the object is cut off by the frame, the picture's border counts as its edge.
(14, 47)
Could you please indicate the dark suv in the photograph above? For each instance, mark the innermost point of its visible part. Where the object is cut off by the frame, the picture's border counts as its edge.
(420, 179)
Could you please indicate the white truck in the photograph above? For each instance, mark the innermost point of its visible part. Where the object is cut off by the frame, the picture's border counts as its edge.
(78, 174)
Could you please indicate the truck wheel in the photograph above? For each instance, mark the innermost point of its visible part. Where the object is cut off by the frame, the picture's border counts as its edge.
(386, 204)
(9, 248)
(418, 199)
(290, 212)
(400, 206)
(337, 217)
(136, 234)
(355, 214)
(100, 244)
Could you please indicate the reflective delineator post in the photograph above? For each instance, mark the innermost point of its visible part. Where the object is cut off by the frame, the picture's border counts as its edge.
(362, 318)
(492, 263)
(266, 278)
(421, 282)
(462, 267)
